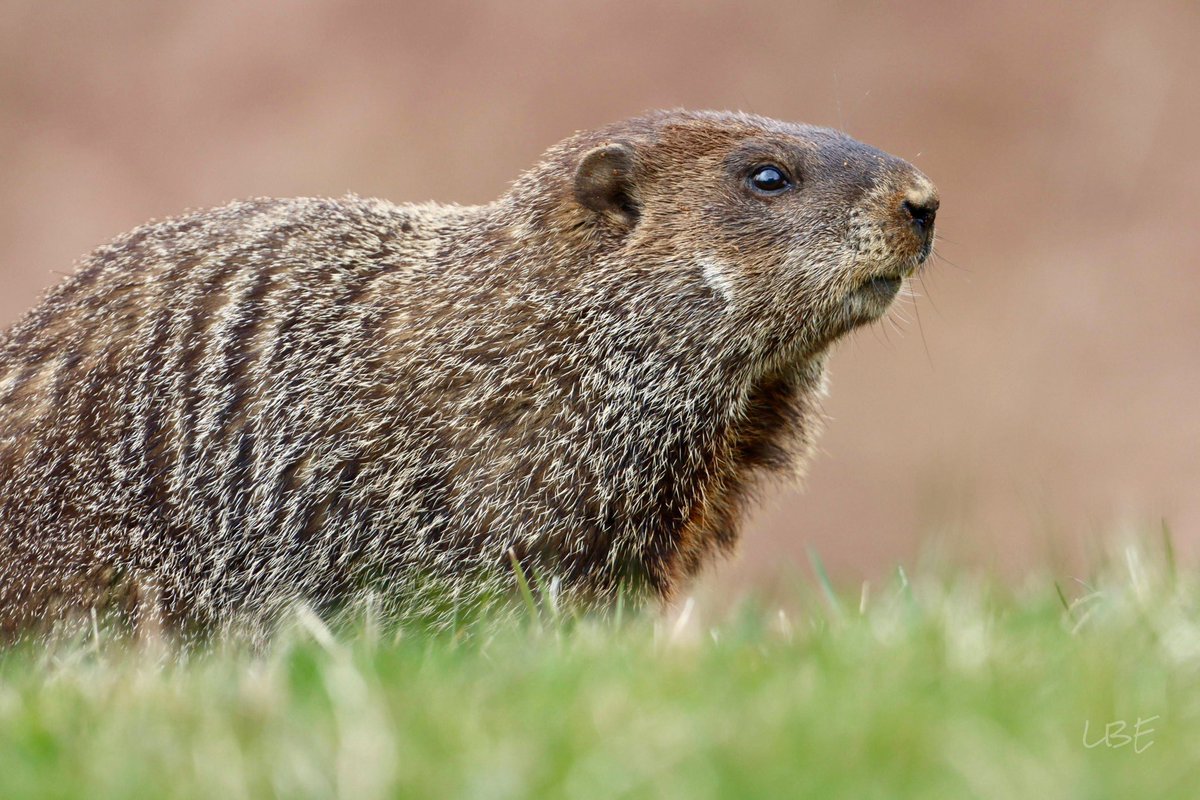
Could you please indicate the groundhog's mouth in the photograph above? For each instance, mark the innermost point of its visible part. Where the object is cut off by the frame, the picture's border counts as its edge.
(884, 287)
(871, 298)
(874, 295)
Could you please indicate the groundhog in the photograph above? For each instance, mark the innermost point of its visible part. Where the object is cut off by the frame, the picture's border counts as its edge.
(301, 400)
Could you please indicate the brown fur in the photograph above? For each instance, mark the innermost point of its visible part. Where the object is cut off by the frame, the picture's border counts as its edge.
(296, 399)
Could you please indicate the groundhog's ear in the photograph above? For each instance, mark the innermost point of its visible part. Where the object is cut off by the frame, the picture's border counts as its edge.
(604, 183)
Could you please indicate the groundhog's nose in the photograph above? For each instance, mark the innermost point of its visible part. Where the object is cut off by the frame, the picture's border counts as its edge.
(921, 205)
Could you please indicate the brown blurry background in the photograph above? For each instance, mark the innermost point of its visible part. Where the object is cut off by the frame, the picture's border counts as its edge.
(1041, 395)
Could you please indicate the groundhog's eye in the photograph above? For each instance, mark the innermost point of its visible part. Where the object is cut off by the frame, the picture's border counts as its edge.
(769, 179)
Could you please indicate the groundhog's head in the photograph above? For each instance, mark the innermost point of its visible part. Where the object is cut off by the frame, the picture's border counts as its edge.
(801, 227)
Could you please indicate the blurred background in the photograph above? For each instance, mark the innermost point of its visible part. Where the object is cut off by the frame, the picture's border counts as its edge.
(1040, 395)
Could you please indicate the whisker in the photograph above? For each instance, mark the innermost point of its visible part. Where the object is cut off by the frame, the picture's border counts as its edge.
(893, 312)
(921, 329)
(937, 254)
(928, 294)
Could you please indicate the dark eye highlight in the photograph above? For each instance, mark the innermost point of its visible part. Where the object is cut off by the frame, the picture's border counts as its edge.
(769, 179)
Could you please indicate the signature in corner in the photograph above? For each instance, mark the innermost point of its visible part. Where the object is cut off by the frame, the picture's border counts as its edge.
(1115, 735)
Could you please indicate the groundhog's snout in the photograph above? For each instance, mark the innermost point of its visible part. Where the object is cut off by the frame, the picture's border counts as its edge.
(919, 207)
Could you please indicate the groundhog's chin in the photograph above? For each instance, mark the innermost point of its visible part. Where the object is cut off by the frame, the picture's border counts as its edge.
(863, 305)
(871, 299)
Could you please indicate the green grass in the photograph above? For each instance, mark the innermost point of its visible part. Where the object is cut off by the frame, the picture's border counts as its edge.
(941, 684)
